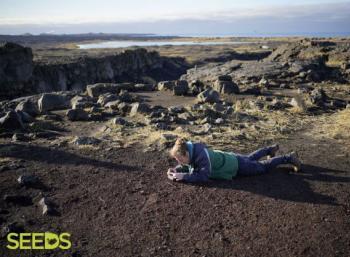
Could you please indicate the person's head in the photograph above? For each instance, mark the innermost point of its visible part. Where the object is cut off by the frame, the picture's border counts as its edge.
(180, 152)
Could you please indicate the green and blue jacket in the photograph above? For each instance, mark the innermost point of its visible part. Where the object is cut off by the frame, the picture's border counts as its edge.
(206, 164)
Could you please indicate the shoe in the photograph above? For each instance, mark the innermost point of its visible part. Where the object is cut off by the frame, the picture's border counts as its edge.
(273, 151)
(294, 160)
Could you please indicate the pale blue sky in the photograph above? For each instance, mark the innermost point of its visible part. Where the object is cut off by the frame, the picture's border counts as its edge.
(71, 16)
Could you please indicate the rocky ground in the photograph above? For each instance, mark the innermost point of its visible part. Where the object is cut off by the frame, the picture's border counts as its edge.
(93, 163)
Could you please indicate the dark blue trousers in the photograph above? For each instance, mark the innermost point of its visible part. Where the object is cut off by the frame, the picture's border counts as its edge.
(250, 165)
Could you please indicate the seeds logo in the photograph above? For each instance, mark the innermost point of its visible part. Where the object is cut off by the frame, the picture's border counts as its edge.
(38, 241)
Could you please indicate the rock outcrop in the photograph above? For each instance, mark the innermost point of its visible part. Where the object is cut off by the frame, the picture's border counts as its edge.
(19, 75)
(11, 121)
(16, 67)
(53, 101)
(294, 62)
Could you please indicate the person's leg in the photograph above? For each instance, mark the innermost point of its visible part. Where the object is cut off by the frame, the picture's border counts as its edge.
(275, 161)
(262, 152)
(247, 167)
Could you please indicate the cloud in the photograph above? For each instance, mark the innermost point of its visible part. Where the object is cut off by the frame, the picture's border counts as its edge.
(333, 17)
(332, 11)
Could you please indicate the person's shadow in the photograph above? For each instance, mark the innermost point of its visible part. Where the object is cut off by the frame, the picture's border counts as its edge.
(50, 155)
(282, 183)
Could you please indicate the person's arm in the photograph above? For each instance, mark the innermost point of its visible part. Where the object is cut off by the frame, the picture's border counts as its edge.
(199, 175)
(201, 171)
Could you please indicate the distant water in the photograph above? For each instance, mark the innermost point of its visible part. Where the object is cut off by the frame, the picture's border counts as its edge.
(128, 43)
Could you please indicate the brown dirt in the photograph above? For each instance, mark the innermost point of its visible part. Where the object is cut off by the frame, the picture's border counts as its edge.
(119, 202)
(165, 98)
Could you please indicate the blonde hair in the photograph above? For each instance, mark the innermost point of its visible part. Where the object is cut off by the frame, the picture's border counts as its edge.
(179, 148)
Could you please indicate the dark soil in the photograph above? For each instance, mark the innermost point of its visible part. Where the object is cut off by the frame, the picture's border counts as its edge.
(119, 202)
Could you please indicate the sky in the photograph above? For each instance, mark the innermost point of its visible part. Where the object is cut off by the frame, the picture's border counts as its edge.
(180, 17)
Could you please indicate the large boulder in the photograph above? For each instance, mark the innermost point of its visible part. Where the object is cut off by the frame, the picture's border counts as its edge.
(125, 96)
(209, 96)
(114, 105)
(106, 98)
(25, 117)
(28, 107)
(98, 89)
(145, 87)
(196, 87)
(226, 87)
(318, 96)
(81, 102)
(166, 85)
(139, 108)
(53, 101)
(77, 115)
(124, 107)
(11, 121)
(180, 87)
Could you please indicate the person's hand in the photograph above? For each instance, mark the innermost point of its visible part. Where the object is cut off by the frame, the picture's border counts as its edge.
(170, 174)
(175, 176)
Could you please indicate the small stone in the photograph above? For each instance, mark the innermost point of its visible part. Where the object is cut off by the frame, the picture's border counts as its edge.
(119, 121)
(302, 74)
(226, 87)
(77, 115)
(219, 107)
(206, 120)
(318, 96)
(17, 137)
(11, 121)
(177, 109)
(283, 85)
(161, 126)
(124, 107)
(28, 180)
(86, 141)
(45, 204)
(139, 108)
(168, 137)
(166, 85)
(209, 96)
(205, 129)
(125, 96)
(263, 82)
(219, 121)
(11, 228)
(114, 105)
(299, 103)
(180, 87)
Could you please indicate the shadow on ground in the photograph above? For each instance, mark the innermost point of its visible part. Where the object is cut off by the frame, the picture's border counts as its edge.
(55, 156)
(284, 184)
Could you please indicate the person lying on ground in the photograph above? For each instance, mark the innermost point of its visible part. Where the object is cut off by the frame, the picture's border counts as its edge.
(198, 163)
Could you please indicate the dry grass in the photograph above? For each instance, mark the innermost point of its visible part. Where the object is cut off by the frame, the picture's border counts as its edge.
(338, 126)
(334, 127)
